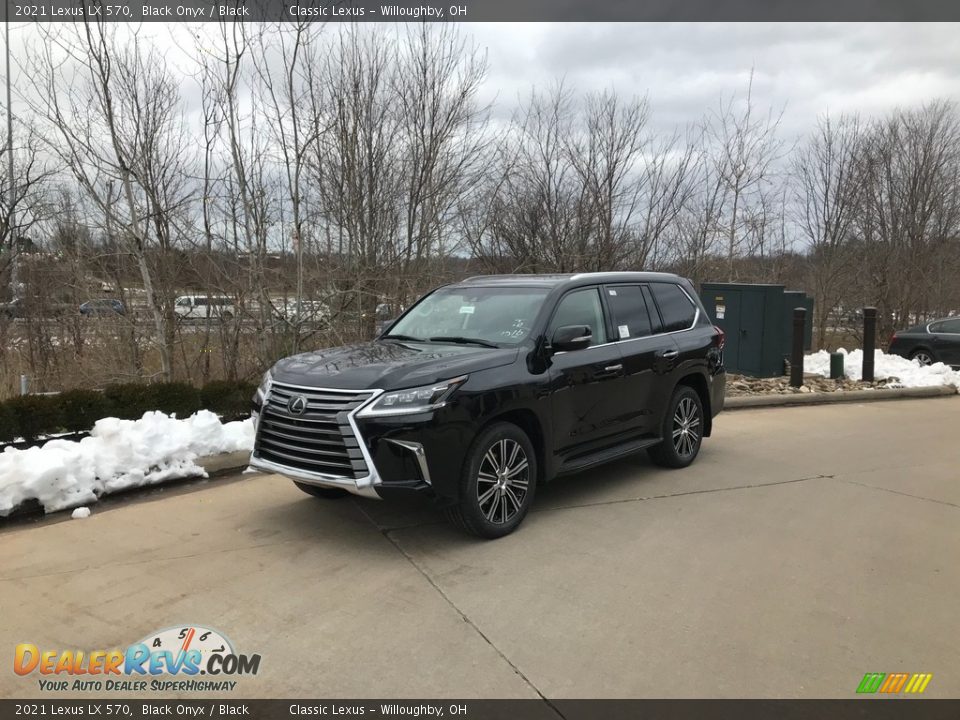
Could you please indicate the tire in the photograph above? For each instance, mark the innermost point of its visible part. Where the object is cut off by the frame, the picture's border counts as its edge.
(682, 430)
(491, 504)
(327, 493)
(923, 356)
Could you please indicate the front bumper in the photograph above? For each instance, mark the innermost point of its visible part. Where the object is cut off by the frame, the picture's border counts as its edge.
(419, 453)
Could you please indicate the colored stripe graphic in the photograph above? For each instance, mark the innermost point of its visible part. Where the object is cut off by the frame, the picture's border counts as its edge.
(894, 682)
(871, 682)
(918, 682)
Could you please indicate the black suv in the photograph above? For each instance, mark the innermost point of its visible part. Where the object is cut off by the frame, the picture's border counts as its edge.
(487, 387)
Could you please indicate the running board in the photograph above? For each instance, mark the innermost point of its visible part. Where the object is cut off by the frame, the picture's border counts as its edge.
(605, 456)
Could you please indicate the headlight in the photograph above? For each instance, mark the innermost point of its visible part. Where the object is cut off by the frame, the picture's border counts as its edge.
(265, 385)
(414, 400)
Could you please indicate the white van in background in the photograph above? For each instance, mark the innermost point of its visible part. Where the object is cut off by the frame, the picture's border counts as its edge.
(201, 307)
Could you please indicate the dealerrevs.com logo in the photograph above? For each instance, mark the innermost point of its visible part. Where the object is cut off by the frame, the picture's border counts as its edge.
(177, 659)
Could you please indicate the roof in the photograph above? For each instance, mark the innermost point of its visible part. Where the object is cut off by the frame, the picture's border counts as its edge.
(553, 280)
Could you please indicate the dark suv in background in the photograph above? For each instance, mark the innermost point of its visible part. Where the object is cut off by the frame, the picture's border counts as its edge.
(485, 388)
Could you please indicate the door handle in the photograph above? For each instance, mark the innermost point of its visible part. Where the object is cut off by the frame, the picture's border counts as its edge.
(613, 368)
(670, 354)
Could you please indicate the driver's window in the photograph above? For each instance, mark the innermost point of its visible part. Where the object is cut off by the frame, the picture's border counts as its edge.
(581, 307)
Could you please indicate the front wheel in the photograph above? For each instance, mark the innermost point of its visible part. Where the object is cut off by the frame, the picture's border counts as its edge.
(498, 481)
(682, 430)
(328, 493)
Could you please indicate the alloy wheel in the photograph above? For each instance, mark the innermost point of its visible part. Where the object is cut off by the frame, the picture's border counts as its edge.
(923, 358)
(503, 481)
(686, 427)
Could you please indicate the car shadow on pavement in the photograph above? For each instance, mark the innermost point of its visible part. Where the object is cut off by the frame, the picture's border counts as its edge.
(625, 479)
(337, 522)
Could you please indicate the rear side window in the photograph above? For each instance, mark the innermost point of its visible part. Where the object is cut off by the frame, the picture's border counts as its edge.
(946, 326)
(630, 316)
(676, 308)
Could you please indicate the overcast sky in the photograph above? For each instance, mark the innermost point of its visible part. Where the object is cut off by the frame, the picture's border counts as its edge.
(687, 68)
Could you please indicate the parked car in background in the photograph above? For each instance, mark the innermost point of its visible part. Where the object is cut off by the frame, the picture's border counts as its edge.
(485, 388)
(384, 316)
(937, 341)
(103, 307)
(308, 310)
(200, 307)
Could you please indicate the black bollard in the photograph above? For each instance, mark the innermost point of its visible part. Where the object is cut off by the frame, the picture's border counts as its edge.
(796, 349)
(869, 341)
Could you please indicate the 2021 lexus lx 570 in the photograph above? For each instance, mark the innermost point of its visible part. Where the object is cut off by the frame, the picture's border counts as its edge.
(487, 387)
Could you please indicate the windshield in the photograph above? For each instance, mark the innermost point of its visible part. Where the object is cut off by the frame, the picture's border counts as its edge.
(501, 315)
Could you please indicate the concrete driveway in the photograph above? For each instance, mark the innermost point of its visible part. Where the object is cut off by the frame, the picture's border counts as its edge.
(806, 547)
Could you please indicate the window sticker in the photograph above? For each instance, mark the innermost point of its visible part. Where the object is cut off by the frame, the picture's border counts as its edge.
(613, 292)
(624, 332)
(467, 309)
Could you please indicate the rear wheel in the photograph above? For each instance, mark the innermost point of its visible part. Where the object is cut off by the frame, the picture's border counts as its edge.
(682, 430)
(924, 357)
(498, 481)
(328, 493)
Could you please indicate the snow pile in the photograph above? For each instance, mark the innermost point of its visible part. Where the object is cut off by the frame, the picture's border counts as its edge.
(80, 513)
(119, 454)
(909, 373)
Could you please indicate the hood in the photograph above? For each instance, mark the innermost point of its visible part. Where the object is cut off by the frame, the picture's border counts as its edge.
(388, 365)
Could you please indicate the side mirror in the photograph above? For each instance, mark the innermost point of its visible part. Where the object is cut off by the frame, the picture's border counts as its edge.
(571, 337)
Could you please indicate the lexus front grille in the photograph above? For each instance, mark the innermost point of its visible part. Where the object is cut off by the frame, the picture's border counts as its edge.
(309, 429)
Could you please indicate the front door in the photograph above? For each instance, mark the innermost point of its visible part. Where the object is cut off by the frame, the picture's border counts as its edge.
(584, 384)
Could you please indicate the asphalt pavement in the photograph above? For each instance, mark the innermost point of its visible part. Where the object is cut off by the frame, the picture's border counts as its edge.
(806, 547)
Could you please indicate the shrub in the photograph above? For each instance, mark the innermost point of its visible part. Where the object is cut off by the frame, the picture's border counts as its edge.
(82, 408)
(129, 400)
(8, 423)
(229, 399)
(177, 398)
(36, 415)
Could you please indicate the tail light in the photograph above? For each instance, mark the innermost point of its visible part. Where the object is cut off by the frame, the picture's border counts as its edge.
(892, 338)
(720, 339)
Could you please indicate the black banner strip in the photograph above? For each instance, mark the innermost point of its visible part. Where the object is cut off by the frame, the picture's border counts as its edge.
(482, 10)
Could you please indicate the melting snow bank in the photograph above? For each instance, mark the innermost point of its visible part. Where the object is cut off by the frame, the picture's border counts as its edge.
(119, 454)
(908, 373)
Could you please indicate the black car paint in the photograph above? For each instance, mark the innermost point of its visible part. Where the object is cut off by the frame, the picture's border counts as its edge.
(576, 407)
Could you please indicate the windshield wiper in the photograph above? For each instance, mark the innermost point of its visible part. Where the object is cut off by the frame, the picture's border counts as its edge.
(408, 338)
(464, 340)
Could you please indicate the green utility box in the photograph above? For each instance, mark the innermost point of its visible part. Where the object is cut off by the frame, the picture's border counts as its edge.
(758, 323)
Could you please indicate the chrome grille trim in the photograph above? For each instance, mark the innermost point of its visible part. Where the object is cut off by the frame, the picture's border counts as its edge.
(322, 446)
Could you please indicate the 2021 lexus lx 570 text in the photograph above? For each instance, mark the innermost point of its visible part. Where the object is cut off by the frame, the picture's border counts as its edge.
(487, 387)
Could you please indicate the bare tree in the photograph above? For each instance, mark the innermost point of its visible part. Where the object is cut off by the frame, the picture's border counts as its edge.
(25, 204)
(115, 122)
(911, 209)
(829, 193)
(744, 150)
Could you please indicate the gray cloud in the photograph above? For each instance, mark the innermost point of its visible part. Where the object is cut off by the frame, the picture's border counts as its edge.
(687, 68)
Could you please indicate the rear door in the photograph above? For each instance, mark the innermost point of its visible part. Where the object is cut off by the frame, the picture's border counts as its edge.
(584, 383)
(634, 322)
